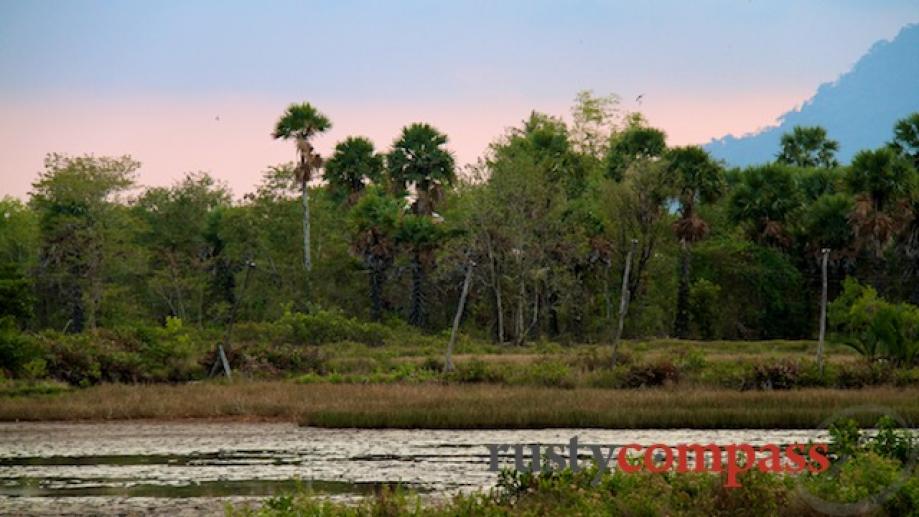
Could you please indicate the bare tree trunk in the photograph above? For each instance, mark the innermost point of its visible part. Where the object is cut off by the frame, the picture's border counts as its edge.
(307, 260)
(681, 325)
(521, 303)
(826, 254)
(448, 362)
(623, 300)
(376, 291)
(496, 285)
(418, 312)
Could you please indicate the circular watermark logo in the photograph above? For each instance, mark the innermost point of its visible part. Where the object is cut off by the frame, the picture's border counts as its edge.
(871, 501)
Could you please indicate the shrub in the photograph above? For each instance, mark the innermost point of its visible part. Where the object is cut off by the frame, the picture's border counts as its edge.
(475, 370)
(874, 327)
(322, 327)
(546, 373)
(704, 301)
(861, 374)
(776, 375)
(656, 373)
(16, 349)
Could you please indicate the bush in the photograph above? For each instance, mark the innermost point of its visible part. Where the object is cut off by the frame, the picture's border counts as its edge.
(875, 327)
(861, 374)
(475, 370)
(656, 373)
(322, 327)
(776, 375)
(704, 301)
(16, 349)
(545, 373)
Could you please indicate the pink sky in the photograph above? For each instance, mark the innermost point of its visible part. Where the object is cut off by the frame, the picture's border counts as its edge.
(170, 136)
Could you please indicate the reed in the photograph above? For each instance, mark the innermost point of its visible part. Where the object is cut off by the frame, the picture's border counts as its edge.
(459, 406)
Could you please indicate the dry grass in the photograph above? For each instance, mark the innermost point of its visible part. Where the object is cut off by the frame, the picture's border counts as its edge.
(458, 406)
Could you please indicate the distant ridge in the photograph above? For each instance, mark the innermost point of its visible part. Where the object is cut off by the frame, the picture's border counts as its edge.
(858, 110)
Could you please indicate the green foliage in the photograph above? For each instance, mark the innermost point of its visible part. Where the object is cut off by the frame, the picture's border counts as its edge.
(301, 121)
(763, 201)
(319, 327)
(17, 350)
(874, 327)
(826, 222)
(882, 175)
(704, 301)
(635, 142)
(352, 167)
(419, 158)
(761, 292)
(906, 138)
(808, 147)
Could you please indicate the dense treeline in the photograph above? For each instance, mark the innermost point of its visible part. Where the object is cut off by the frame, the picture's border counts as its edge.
(544, 220)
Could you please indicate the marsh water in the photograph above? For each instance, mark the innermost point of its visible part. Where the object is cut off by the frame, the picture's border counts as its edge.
(185, 468)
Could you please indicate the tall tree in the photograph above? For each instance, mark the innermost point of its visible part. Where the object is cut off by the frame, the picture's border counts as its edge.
(75, 199)
(763, 201)
(594, 119)
(374, 222)
(352, 167)
(301, 122)
(883, 184)
(906, 138)
(421, 235)
(808, 147)
(696, 179)
(420, 160)
(185, 261)
(637, 141)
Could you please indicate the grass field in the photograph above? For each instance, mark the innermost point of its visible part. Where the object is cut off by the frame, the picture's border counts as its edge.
(458, 406)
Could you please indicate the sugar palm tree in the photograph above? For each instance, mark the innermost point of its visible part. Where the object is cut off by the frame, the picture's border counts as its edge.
(883, 183)
(419, 159)
(696, 179)
(374, 222)
(906, 138)
(421, 236)
(353, 165)
(763, 200)
(301, 122)
(808, 147)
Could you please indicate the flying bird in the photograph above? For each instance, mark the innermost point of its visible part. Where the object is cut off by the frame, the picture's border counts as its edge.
(638, 99)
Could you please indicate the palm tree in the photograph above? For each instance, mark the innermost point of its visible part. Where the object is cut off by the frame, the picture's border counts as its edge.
(906, 138)
(763, 199)
(421, 235)
(696, 178)
(301, 122)
(418, 159)
(808, 147)
(374, 222)
(882, 183)
(352, 167)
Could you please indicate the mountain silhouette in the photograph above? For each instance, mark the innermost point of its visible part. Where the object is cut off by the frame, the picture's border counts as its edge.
(858, 110)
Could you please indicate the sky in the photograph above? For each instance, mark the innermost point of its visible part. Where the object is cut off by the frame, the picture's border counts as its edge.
(197, 85)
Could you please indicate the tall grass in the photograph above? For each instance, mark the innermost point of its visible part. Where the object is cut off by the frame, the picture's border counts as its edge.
(475, 406)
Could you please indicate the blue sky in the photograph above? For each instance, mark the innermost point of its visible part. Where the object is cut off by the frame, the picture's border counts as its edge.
(148, 78)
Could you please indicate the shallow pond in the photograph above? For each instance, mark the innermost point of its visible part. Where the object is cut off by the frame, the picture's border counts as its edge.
(180, 468)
